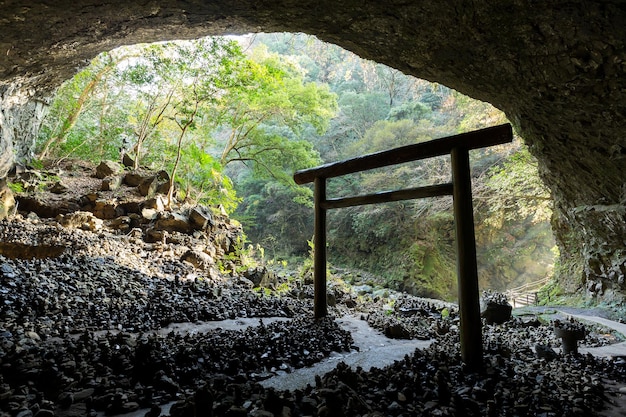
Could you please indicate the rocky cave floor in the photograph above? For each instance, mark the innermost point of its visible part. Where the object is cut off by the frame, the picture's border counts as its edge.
(87, 314)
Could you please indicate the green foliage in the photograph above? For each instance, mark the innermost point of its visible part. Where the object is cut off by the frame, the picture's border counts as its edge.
(16, 187)
(414, 111)
(202, 176)
(210, 112)
(239, 260)
(264, 116)
(69, 128)
(516, 191)
(176, 99)
(276, 215)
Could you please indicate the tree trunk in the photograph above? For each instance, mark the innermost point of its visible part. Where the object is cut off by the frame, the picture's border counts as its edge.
(78, 108)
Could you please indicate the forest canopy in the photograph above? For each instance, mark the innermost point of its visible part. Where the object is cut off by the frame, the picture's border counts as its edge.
(231, 119)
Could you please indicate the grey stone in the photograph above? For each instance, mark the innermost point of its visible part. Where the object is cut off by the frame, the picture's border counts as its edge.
(148, 187)
(107, 168)
(200, 218)
(111, 183)
(172, 222)
(58, 188)
(198, 259)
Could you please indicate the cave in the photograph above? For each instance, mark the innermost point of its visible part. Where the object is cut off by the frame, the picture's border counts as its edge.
(558, 71)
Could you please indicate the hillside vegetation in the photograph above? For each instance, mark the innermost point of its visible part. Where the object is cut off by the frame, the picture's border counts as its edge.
(230, 120)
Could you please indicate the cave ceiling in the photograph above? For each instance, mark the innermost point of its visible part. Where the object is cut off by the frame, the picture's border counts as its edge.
(557, 69)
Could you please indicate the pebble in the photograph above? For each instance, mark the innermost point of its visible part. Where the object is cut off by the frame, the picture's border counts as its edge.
(80, 334)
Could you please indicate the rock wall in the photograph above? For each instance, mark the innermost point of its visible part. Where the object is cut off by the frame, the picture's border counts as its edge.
(21, 114)
(558, 70)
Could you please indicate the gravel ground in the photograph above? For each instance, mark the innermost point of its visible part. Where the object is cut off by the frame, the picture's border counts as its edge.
(99, 322)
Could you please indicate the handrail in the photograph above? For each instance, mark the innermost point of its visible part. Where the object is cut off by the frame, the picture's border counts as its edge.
(525, 287)
(482, 138)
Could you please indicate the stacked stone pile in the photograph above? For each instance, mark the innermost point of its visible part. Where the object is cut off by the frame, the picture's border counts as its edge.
(84, 302)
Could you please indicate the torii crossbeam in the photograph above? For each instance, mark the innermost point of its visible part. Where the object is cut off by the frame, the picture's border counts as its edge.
(460, 188)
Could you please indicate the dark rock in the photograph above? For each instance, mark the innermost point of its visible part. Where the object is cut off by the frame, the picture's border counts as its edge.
(163, 188)
(530, 321)
(155, 411)
(545, 352)
(108, 168)
(261, 277)
(58, 188)
(172, 222)
(127, 161)
(134, 178)
(129, 407)
(494, 313)
(331, 299)
(107, 209)
(200, 218)
(75, 410)
(198, 259)
(131, 207)
(122, 223)
(397, 331)
(45, 208)
(157, 203)
(84, 394)
(111, 183)
(236, 411)
(152, 235)
(65, 399)
(148, 187)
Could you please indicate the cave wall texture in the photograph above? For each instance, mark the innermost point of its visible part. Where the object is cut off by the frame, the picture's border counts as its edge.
(557, 69)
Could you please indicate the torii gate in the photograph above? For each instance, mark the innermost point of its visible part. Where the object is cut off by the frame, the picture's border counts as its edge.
(460, 188)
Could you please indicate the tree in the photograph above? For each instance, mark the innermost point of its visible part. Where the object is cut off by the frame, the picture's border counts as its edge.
(73, 96)
(515, 190)
(169, 77)
(264, 115)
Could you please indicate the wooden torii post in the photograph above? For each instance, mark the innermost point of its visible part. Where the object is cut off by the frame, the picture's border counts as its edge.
(460, 188)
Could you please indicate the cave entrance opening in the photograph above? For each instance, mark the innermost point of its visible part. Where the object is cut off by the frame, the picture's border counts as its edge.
(458, 147)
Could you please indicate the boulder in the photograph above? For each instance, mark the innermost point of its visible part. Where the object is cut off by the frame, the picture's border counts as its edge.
(111, 183)
(153, 236)
(58, 188)
(131, 206)
(107, 209)
(163, 188)
(121, 223)
(157, 203)
(397, 331)
(198, 259)
(148, 187)
(7, 201)
(261, 277)
(46, 208)
(172, 222)
(134, 178)
(127, 161)
(80, 220)
(200, 218)
(107, 168)
(495, 313)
